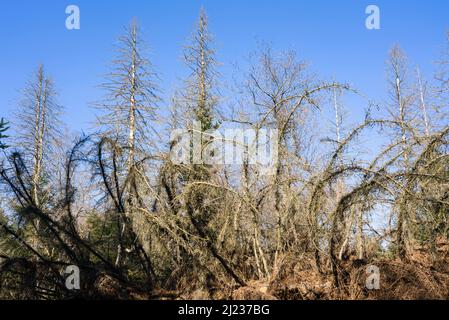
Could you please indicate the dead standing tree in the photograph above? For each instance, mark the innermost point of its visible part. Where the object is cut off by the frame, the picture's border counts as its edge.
(129, 108)
(38, 128)
(201, 98)
(402, 101)
(197, 198)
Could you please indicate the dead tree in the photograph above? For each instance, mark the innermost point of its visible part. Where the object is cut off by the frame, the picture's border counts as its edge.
(38, 127)
(128, 111)
(401, 100)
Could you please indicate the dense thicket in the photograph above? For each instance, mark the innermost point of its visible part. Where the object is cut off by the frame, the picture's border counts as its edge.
(140, 225)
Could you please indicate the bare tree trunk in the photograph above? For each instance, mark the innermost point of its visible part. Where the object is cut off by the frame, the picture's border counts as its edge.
(132, 107)
(423, 103)
(360, 240)
(38, 134)
(397, 61)
(348, 231)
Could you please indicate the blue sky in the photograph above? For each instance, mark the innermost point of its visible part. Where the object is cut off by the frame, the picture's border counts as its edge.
(330, 35)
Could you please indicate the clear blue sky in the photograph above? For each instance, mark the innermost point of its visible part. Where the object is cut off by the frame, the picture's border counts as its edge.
(331, 35)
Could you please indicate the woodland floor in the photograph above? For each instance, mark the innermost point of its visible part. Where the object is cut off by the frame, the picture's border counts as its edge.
(418, 278)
